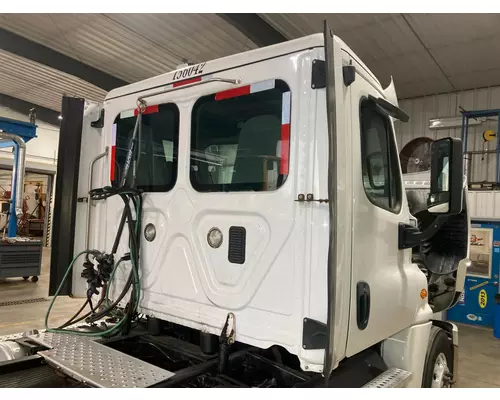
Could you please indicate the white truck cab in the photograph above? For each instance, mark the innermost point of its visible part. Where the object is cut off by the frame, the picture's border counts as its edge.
(268, 211)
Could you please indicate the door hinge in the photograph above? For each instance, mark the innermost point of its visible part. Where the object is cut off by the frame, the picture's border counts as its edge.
(309, 197)
(318, 77)
(100, 122)
(82, 199)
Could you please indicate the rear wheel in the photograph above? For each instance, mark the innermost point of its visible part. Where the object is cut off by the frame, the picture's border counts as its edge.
(34, 279)
(438, 370)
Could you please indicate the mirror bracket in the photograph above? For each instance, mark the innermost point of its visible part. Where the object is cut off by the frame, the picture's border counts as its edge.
(389, 108)
(410, 236)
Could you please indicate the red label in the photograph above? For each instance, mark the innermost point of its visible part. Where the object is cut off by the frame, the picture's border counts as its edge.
(285, 149)
(148, 110)
(187, 82)
(113, 158)
(227, 94)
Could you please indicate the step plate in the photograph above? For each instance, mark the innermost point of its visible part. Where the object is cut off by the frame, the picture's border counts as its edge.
(93, 363)
(392, 378)
(12, 337)
(54, 340)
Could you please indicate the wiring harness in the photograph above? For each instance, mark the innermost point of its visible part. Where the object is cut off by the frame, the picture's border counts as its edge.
(99, 268)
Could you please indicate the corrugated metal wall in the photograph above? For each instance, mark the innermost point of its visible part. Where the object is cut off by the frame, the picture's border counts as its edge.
(484, 205)
(482, 167)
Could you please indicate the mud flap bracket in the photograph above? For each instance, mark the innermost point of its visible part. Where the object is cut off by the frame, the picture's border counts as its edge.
(313, 334)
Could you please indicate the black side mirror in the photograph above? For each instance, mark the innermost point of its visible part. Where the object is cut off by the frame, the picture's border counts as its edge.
(447, 175)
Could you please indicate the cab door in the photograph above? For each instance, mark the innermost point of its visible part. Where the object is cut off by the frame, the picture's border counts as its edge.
(384, 294)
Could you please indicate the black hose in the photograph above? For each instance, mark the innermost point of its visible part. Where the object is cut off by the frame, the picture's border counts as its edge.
(109, 309)
(119, 234)
(135, 254)
(131, 278)
(126, 194)
(70, 322)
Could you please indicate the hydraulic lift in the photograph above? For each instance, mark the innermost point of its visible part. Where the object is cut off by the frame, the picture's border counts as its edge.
(19, 256)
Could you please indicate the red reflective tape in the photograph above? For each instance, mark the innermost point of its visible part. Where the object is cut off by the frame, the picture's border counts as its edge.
(187, 82)
(113, 161)
(227, 94)
(148, 110)
(113, 154)
(285, 149)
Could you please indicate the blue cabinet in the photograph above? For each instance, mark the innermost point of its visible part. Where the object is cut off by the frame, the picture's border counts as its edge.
(477, 304)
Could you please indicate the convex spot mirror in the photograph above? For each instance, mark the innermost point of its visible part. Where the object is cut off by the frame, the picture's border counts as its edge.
(446, 194)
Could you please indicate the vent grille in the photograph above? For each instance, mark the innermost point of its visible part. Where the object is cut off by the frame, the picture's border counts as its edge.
(237, 244)
(21, 258)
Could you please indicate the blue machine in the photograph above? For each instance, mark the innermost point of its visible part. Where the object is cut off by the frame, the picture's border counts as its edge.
(26, 131)
(477, 305)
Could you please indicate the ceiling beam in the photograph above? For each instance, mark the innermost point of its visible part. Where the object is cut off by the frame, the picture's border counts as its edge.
(254, 28)
(26, 48)
(23, 107)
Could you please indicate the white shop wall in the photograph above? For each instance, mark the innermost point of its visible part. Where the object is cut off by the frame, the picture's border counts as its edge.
(482, 204)
(422, 109)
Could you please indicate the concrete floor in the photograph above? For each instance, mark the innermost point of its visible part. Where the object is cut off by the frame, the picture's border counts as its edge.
(24, 317)
(479, 358)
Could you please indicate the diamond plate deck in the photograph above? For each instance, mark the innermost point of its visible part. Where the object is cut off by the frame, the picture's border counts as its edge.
(93, 363)
(392, 378)
(11, 337)
(52, 340)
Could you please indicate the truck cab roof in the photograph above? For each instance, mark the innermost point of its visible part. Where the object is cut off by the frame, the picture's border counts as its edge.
(236, 60)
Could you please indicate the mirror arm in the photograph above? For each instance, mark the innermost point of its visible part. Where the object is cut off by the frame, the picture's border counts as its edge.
(410, 236)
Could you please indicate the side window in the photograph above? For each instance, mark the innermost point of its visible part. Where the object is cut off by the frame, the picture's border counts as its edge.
(157, 162)
(379, 157)
(240, 139)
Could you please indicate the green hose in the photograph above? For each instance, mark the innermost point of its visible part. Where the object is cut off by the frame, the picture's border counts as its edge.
(70, 267)
(108, 331)
(112, 276)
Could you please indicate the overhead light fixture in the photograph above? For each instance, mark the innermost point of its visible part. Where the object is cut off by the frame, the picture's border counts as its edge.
(453, 122)
(59, 117)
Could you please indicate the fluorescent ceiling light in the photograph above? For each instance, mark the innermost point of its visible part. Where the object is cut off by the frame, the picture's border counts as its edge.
(453, 122)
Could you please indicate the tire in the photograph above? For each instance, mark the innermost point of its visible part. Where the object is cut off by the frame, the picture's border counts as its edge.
(34, 279)
(26, 278)
(438, 367)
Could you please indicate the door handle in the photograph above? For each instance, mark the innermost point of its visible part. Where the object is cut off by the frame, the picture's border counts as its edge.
(363, 304)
